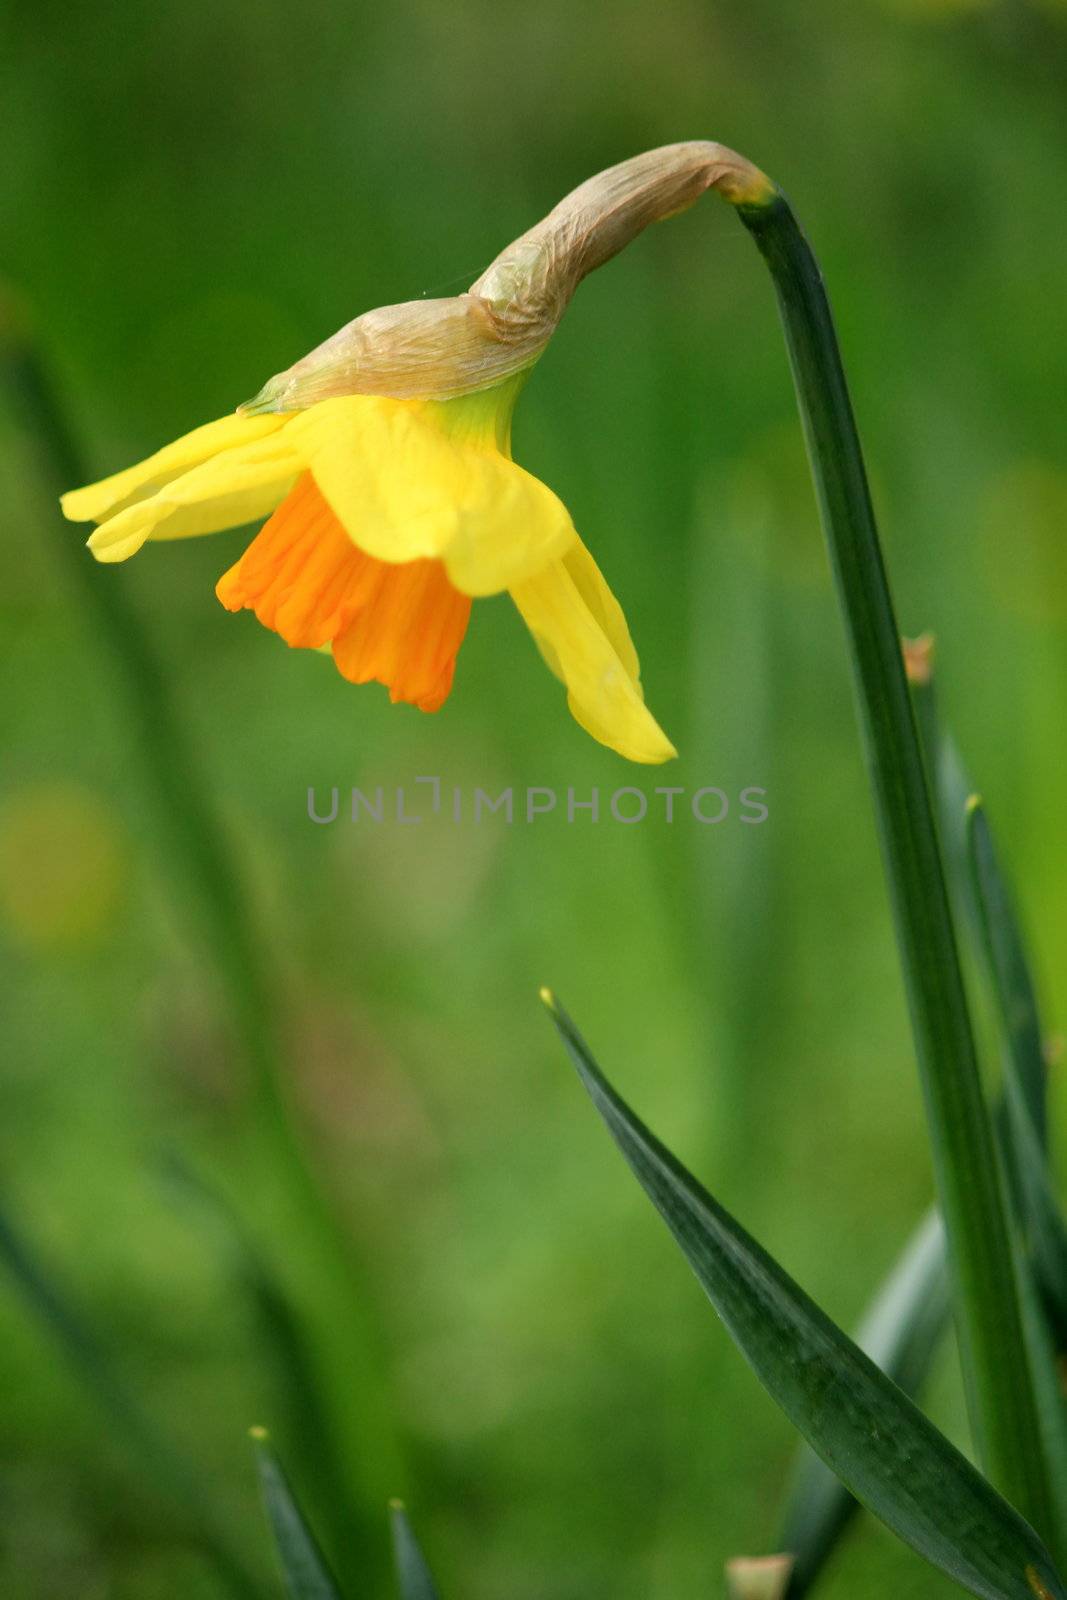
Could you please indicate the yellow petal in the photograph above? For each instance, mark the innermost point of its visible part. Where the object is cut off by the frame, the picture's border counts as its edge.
(510, 524)
(406, 488)
(236, 487)
(125, 488)
(605, 609)
(582, 634)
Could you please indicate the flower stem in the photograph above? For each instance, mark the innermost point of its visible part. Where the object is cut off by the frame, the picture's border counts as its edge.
(999, 1383)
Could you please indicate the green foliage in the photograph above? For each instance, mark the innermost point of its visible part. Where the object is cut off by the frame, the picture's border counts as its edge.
(864, 1427)
(998, 1380)
(193, 197)
(304, 1568)
(413, 1575)
(900, 1333)
(1024, 1069)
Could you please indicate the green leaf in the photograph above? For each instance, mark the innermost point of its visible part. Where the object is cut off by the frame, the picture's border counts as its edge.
(1051, 1406)
(1024, 1065)
(985, 898)
(413, 1575)
(900, 1333)
(998, 1382)
(952, 789)
(304, 1568)
(1041, 1218)
(867, 1431)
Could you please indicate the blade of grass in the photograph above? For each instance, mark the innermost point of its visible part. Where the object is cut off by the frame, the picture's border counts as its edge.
(1009, 969)
(983, 893)
(413, 1574)
(947, 779)
(867, 1431)
(987, 1300)
(85, 1354)
(1024, 1068)
(1052, 1408)
(994, 925)
(304, 1568)
(900, 1333)
(1021, 1116)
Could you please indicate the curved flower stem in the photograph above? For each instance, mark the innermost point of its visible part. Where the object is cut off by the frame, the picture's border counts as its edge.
(999, 1383)
(358, 1468)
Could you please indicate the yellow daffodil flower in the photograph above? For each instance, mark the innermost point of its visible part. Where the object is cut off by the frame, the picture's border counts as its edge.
(382, 461)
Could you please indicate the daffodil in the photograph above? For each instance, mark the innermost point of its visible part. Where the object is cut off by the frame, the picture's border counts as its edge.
(382, 462)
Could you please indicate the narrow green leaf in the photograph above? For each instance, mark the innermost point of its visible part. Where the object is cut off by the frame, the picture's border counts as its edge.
(1043, 1224)
(304, 1568)
(900, 1333)
(981, 892)
(954, 789)
(413, 1575)
(873, 1437)
(907, 1317)
(1053, 1411)
(949, 783)
(986, 900)
(1024, 1068)
(998, 1382)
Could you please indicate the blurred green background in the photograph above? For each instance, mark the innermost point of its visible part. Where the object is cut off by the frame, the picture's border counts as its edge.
(192, 197)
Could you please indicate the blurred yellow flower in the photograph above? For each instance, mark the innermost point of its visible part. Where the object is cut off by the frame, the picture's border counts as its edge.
(383, 463)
